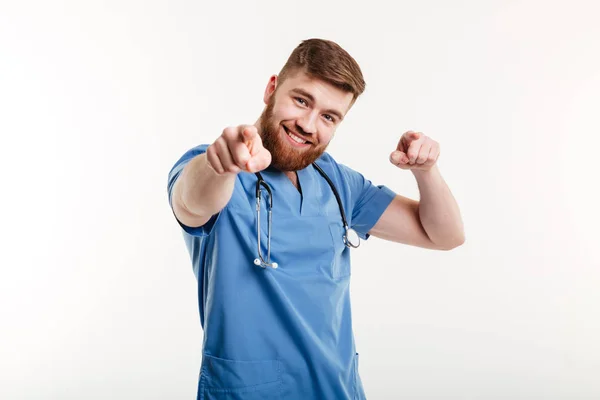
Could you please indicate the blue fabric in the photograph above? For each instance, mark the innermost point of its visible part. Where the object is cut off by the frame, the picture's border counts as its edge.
(282, 333)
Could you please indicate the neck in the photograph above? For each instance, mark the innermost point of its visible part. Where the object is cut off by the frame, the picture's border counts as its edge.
(292, 176)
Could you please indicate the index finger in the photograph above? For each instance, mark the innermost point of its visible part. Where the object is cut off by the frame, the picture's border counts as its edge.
(248, 133)
(252, 140)
(406, 140)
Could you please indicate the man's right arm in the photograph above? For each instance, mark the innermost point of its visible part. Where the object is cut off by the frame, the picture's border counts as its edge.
(206, 183)
(200, 192)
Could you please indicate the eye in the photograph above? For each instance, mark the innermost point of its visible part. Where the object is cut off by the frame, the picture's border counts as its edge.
(299, 99)
(331, 119)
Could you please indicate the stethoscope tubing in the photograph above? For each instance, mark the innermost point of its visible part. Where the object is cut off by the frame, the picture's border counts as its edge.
(260, 261)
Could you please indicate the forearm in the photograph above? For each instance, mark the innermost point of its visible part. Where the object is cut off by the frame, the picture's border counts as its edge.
(438, 210)
(201, 190)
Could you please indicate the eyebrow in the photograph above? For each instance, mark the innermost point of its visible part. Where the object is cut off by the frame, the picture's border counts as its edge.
(312, 99)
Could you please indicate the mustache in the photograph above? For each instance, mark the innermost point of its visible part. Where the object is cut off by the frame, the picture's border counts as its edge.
(302, 132)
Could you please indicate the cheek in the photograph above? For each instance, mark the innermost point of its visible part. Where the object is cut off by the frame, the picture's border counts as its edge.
(326, 137)
(285, 112)
(328, 133)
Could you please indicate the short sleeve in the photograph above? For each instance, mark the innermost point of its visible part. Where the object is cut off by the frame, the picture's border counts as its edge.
(205, 229)
(368, 201)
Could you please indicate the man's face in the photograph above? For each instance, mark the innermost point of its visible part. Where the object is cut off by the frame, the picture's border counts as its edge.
(304, 107)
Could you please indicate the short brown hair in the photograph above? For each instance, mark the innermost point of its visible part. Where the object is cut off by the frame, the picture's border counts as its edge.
(325, 60)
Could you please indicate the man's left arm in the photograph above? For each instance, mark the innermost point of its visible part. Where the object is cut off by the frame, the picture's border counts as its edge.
(434, 222)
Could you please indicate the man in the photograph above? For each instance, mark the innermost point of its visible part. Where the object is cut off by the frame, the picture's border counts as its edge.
(273, 274)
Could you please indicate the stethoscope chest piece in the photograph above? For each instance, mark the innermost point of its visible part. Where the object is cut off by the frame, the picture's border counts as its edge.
(351, 238)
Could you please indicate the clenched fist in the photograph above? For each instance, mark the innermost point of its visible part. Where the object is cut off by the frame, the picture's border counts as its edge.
(238, 149)
(415, 151)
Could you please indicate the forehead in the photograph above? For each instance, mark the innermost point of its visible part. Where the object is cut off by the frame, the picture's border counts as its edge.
(326, 95)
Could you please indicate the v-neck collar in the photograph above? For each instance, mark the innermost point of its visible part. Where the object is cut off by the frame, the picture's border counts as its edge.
(295, 196)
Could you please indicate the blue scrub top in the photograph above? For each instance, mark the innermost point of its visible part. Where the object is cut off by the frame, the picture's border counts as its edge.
(282, 333)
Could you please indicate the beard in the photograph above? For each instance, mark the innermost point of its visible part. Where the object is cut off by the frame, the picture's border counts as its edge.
(283, 156)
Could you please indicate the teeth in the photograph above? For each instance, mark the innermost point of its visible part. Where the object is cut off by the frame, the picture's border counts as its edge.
(296, 138)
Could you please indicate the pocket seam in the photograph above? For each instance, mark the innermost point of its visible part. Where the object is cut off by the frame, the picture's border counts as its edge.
(239, 389)
(356, 375)
(336, 263)
(243, 389)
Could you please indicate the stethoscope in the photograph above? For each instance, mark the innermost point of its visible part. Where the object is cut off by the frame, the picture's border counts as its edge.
(350, 238)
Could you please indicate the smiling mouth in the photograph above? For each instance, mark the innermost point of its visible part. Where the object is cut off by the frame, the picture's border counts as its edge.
(295, 138)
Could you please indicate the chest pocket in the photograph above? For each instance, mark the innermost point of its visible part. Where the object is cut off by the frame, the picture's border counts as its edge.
(308, 247)
(340, 267)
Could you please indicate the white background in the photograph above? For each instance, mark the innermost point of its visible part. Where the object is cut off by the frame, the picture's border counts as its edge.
(99, 99)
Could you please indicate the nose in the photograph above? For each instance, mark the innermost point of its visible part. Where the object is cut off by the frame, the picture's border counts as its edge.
(308, 124)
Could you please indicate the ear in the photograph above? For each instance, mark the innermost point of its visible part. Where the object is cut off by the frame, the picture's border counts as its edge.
(270, 89)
